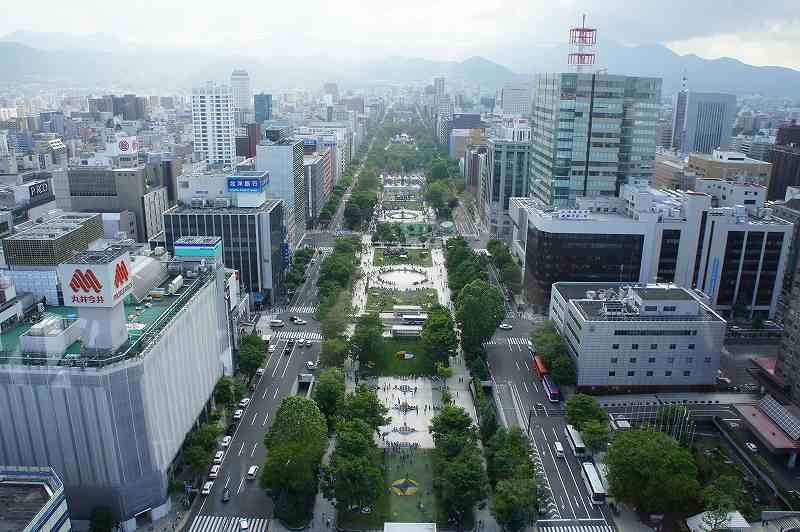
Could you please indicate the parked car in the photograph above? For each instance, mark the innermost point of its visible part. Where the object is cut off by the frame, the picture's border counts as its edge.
(226, 441)
(252, 472)
(506, 326)
(300, 322)
(260, 371)
(231, 429)
(207, 488)
(751, 447)
(214, 473)
(244, 402)
(218, 456)
(270, 349)
(238, 414)
(311, 365)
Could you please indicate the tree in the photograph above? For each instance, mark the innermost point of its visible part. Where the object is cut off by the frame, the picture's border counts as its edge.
(722, 496)
(452, 430)
(223, 391)
(354, 476)
(336, 318)
(333, 353)
(462, 482)
(562, 369)
(250, 359)
(514, 503)
(479, 309)
(101, 519)
(328, 393)
(595, 435)
(367, 340)
(581, 408)
(298, 420)
(197, 458)
(438, 333)
(362, 403)
(443, 372)
(650, 471)
(439, 169)
(547, 342)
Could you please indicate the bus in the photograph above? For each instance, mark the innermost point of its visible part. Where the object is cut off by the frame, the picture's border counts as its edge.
(575, 441)
(538, 366)
(594, 486)
(414, 319)
(550, 388)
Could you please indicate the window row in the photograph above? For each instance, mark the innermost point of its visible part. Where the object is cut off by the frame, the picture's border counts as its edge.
(667, 373)
(652, 346)
(652, 360)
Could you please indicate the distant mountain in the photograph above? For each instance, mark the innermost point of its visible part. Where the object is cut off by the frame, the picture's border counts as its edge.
(87, 61)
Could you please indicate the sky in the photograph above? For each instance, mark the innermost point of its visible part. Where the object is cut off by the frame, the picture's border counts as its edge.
(509, 31)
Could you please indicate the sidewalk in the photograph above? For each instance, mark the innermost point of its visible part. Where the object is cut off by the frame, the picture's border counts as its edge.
(177, 519)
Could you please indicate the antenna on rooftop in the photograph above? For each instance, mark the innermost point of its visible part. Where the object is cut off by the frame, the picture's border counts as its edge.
(582, 42)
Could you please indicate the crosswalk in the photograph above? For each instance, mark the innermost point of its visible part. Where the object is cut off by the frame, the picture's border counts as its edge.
(510, 341)
(298, 335)
(573, 526)
(302, 309)
(217, 523)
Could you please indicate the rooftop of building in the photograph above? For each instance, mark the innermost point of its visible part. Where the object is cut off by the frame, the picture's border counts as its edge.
(198, 241)
(102, 256)
(725, 156)
(56, 227)
(267, 206)
(24, 491)
(144, 320)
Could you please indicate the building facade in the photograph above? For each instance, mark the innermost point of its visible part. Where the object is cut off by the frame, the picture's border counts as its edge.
(618, 113)
(507, 177)
(515, 99)
(730, 165)
(263, 107)
(318, 182)
(283, 161)
(707, 121)
(213, 124)
(641, 337)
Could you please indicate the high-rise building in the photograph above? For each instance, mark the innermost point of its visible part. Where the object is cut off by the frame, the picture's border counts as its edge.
(241, 96)
(263, 107)
(507, 177)
(318, 182)
(213, 123)
(618, 113)
(283, 161)
(703, 121)
(516, 99)
(331, 89)
(438, 92)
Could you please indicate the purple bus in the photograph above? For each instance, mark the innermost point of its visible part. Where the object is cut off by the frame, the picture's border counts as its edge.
(552, 391)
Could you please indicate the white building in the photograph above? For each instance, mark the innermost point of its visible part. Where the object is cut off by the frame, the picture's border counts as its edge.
(242, 96)
(213, 124)
(638, 336)
(516, 99)
(735, 253)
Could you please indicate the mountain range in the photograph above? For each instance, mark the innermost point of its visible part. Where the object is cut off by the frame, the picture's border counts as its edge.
(104, 60)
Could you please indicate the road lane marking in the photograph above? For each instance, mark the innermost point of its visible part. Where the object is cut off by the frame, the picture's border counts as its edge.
(254, 418)
(227, 481)
(525, 386)
(265, 392)
(274, 395)
(240, 450)
(239, 489)
(558, 471)
(526, 365)
(254, 449)
(265, 420)
(517, 364)
(287, 364)
(535, 387)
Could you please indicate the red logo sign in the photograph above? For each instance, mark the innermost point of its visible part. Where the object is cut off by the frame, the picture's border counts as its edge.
(86, 281)
(120, 274)
(124, 146)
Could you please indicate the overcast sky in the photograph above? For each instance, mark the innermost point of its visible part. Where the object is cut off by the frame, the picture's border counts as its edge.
(764, 32)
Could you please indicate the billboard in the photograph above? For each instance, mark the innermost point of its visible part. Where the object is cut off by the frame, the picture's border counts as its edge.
(127, 145)
(96, 285)
(39, 189)
(248, 183)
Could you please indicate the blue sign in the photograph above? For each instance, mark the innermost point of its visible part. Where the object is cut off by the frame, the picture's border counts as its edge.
(287, 256)
(247, 183)
(310, 142)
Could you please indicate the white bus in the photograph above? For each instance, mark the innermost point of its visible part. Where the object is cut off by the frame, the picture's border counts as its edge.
(593, 484)
(575, 441)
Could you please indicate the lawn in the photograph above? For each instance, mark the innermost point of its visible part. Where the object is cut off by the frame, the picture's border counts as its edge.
(416, 229)
(387, 363)
(382, 299)
(418, 257)
(419, 508)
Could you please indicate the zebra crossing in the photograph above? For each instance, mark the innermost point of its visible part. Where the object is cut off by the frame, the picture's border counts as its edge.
(217, 523)
(302, 309)
(510, 341)
(573, 526)
(298, 335)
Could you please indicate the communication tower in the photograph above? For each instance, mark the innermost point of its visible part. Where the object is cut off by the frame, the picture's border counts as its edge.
(582, 43)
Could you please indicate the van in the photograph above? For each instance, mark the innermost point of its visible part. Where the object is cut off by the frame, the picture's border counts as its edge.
(218, 457)
(214, 473)
(276, 323)
(559, 449)
(252, 472)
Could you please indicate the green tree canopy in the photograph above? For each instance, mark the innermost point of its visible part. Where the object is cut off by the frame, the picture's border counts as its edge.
(328, 393)
(452, 430)
(514, 503)
(250, 359)
(462, 482)
(333, 352)
(362, 403)
(581, 408)
(298, 420)
(595, 435)
(438, 334)
(651, 471)
(223, 391)
(479, 310)
(367, 340)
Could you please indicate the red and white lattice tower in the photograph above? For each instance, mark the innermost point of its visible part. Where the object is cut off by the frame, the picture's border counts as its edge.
(582, 42)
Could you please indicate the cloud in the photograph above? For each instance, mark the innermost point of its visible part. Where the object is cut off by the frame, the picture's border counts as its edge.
(440, 29)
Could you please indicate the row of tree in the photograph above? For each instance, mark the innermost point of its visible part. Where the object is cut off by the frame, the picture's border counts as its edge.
(550, 346)
(507, 267)
(328, 210)
(511, 475)
(334, 284)
(297, 273)
(585, 414)
(392, 233)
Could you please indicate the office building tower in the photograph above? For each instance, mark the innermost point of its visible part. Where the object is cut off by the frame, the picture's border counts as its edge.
(638, 337)
(731, 166)
(331, 89)
(438, 91)
(785, 159)
(241, 96)
(283, 162)
(618, 113)
(703, 121)
(706, 239)
(788, 134)
(516, 99)
(318, 182)
(127, 381)
(213, 123)
(263, 107)
(507, 177)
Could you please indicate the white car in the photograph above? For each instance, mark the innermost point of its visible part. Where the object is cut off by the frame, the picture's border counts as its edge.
(238, 414)
(226, 441)
(218, 457)
(244, 402)
(506, 326)
(207, 488)
(751, 447)
(300, 322)
(311, 365)
(308, 342)
(271, 349)
(244, 524)
(260, 371)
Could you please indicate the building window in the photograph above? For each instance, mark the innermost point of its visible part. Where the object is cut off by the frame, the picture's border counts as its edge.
(648, 308)
(691, 346)
(670, 360)
(669, 308)
(707, 360)
(614, 346)
(612, 373)
(689, 360)
(672, 346)
(634, 346)
(649, 373)
(653, 346)
(631, 373)
(632, 360)
(668, 373)
(687, 373)
(651, 360)
(614, 360)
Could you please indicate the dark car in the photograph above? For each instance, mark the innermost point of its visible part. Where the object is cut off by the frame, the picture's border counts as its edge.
(226, 495)
(231, 429)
